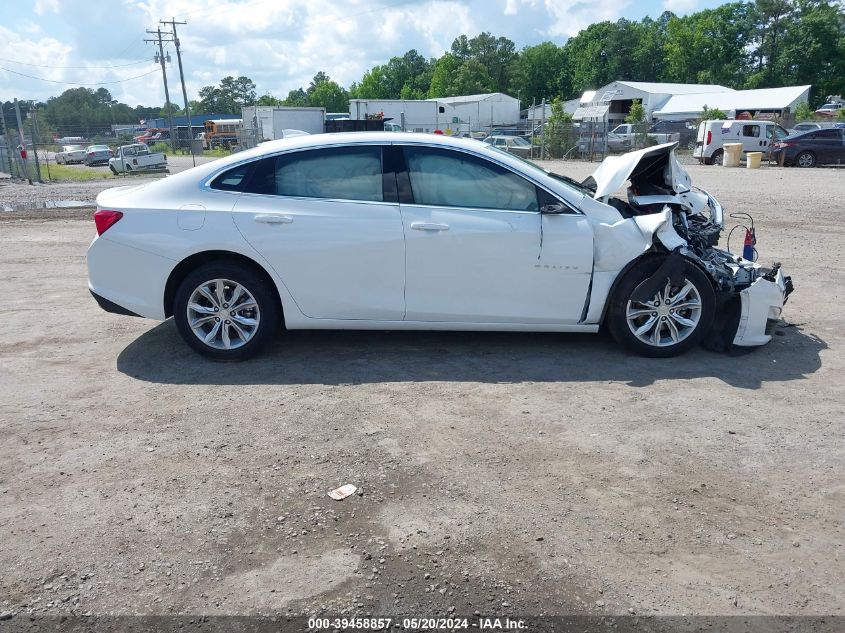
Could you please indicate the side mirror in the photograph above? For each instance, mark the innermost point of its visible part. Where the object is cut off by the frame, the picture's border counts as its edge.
(556, 208)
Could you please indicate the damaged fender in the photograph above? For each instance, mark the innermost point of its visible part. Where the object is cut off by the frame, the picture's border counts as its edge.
(617, 244)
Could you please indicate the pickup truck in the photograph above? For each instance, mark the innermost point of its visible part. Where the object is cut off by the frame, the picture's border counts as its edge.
(137, 158)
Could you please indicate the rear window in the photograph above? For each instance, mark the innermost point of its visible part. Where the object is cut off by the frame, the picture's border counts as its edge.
(232, 180)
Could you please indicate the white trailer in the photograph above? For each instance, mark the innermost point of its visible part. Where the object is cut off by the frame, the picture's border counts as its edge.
(460, 115)
(266, 123)
(409, 114)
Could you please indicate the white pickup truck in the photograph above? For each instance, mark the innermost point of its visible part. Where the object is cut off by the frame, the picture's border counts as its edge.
(137, 158)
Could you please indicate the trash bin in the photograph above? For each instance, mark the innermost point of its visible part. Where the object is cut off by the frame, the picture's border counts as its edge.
(733, 152)
(754, 159)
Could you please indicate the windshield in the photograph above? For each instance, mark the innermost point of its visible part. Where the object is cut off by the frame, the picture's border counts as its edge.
(518, 140)
(570, 182)
(74, 148)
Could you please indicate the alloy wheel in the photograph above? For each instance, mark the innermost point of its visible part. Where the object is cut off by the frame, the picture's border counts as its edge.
(671, 316)
(223, 314)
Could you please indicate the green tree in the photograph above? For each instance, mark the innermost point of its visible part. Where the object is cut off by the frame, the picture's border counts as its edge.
(296, 98)
(269, 100)
(537, 72)
(712, 114)
(559, 132)
(329, 95)
(803, 112)
(637, 117)
(443, 77)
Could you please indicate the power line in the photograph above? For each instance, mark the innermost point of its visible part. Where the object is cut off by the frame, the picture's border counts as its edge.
(76, 83)
(15, 61)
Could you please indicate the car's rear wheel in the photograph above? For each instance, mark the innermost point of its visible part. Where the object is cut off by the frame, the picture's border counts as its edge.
(226, 311)
(668, 323)
(806, 159)
(718, 157)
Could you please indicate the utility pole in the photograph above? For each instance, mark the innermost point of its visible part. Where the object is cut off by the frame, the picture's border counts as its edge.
(35, 136)
(23, 140)
(32, 114)
(12, 164)
(173, 24)
(160, 58)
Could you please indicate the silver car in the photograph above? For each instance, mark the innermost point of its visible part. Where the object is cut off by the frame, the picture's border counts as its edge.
(98, 155)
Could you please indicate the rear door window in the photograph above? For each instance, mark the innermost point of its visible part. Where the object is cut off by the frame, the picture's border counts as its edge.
(337, 173)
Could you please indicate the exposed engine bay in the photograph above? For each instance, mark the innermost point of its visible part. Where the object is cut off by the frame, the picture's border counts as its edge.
(659, 187)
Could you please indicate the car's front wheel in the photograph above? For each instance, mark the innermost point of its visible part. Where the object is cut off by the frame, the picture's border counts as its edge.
(671, 321)
(226, 311)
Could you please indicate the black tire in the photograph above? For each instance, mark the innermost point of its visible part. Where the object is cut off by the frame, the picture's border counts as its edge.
(717, 157)
(617, 320)
(268, 308)
(805, 159)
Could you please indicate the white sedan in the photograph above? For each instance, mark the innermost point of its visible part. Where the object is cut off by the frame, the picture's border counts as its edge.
(70, 154)
(424, 232)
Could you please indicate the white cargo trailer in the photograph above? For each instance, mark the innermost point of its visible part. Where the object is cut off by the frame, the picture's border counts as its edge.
(266, 123)
(458, 114)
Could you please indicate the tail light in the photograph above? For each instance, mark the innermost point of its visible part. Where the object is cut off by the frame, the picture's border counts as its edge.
(709, 137)
(104, 219)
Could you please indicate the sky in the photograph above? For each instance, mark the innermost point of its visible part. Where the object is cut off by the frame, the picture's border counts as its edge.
(48, 46)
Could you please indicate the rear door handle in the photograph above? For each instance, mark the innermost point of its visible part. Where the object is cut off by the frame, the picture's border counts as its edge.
(273, 219)
(429, 226)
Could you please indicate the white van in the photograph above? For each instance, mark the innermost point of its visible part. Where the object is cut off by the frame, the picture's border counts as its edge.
(755, 136)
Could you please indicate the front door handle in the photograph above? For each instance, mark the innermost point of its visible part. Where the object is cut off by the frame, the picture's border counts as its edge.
(429, 226)
(273, 219)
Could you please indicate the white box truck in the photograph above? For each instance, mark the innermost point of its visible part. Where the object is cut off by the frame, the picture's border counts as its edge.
(266, 123)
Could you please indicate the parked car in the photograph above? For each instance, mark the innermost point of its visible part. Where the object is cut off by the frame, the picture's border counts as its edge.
(98, 155)
(136, 158)
(513, 144)
(809, 149)
(754, 135)
(684, 132)
(70, 154)
(421, 232)
(829, 109)
(806, 126)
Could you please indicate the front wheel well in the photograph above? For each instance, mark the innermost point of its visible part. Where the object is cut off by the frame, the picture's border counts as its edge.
(650, 255)
(184, 268)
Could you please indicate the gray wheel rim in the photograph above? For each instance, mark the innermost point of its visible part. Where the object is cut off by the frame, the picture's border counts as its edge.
(805, 160)
(717, 158)
(669, 318)
(223, 314)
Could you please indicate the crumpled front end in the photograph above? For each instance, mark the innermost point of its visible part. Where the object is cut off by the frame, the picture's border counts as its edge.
(664, 214)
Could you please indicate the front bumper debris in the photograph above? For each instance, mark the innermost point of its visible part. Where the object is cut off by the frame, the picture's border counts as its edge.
(761, 306)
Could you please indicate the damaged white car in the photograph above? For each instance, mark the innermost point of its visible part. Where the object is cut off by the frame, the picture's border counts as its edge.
(373, 231)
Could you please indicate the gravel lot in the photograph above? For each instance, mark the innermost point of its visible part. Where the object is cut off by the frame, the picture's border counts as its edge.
(505, 474)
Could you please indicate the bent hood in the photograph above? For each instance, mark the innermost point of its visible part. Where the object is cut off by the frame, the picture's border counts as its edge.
(653, 165)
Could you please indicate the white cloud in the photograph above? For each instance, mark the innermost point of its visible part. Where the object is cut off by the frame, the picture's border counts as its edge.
(280, 44)
(680, 6)
(44, 6)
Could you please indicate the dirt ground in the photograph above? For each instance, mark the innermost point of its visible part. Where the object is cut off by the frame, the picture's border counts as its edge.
(503, 474)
